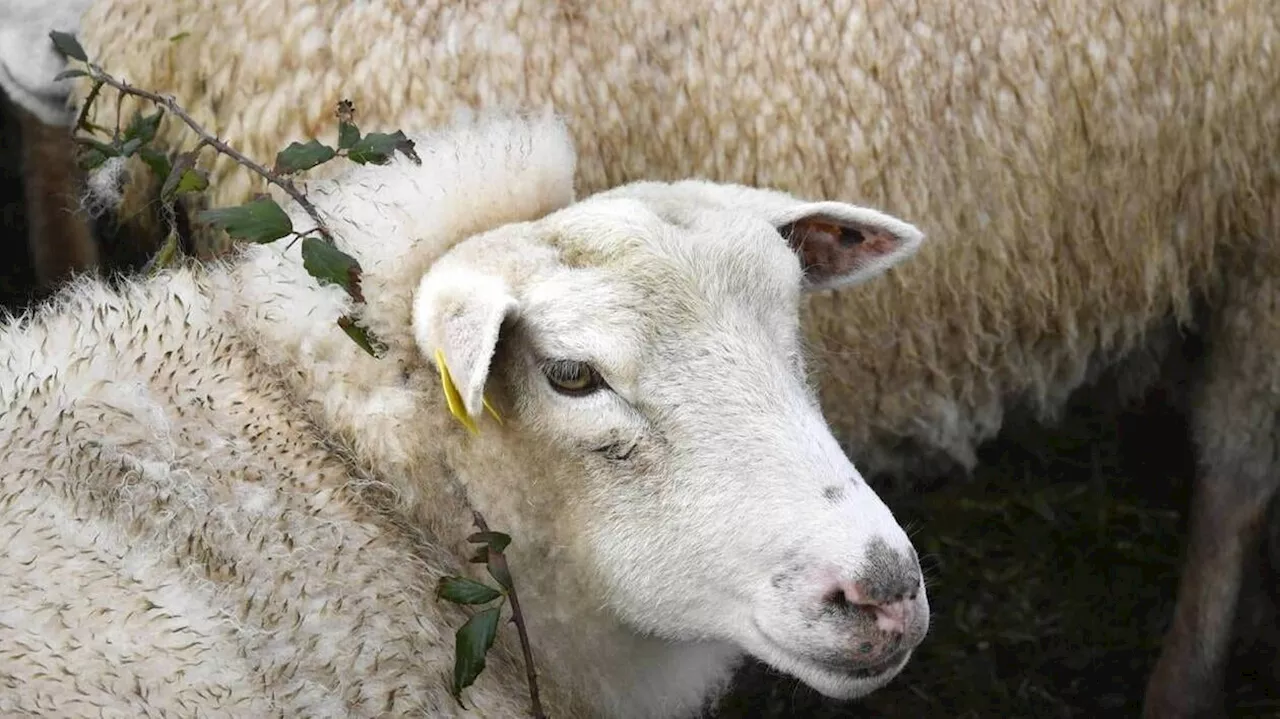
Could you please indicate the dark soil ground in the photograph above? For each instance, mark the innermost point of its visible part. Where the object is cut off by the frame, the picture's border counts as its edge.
(1051, 570)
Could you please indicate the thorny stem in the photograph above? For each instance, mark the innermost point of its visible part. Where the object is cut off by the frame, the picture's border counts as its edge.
(501, 560)
(82, 120)
(101, 77)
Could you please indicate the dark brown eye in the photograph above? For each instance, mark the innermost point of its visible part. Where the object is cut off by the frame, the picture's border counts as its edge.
(572, 378)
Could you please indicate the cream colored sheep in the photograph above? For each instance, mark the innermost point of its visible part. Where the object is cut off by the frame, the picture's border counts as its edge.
(214, 502)
(1093, 172)
(60, 239)
(29, 62)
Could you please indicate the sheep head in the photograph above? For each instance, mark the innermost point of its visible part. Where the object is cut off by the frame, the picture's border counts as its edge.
(659, 435)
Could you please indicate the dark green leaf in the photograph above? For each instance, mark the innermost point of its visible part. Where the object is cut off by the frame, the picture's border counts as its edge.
(357, 333)
(461, 590)
(377, 147)
(158, 163)
(68, 45)
(91, 158)
(472, 642)
(143, 127)
(183, 177)
(497, 540)
(259, 220)
(331, 265)
(481, 556)
(348, 135)
(298, 156)
(184, 162)
(130, 147)
(498, 570)
(69, 73)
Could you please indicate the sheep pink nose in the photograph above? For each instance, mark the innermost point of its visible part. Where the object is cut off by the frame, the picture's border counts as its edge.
(891, 613)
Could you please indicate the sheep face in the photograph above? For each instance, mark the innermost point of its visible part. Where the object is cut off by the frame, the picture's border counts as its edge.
(646, 342)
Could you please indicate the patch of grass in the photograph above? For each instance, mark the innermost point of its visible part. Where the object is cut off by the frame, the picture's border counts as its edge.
(1052, 574)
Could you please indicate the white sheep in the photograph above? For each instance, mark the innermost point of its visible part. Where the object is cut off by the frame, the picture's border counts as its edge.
(1094, 171)
(215, 502)
(60, 239)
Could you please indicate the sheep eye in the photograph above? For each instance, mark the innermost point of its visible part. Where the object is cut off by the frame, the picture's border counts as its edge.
(572, 378)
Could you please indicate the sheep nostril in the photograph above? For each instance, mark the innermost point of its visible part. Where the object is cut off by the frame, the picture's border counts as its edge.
(890, 615)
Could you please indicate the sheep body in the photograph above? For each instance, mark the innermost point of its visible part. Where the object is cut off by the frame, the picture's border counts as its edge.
(1138, 135)
(215, 502)
(1100, 176)
(200, 543)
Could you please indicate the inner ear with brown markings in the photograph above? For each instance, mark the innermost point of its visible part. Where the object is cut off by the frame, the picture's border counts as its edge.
(843, 248)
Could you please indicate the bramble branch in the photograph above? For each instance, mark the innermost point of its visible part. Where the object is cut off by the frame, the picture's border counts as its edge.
(498, 564)
(101, 77)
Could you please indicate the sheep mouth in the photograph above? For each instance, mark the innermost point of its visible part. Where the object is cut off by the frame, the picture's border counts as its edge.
(875, 671)
(840, 679)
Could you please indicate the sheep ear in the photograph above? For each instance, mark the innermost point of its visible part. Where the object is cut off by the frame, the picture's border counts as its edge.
(840, 244)
(457, 317)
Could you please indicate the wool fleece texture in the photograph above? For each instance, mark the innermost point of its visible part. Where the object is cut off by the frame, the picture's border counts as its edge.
(1097, 176)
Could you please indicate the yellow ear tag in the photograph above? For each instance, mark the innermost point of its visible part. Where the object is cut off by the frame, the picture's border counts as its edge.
(492, 411)
(454, 397)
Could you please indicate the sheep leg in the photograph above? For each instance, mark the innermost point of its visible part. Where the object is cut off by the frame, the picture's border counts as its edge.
(1237, 430)
(1188, 679)
(60, 240)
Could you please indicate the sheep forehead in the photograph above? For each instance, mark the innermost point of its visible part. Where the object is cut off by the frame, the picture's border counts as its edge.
(688, 263)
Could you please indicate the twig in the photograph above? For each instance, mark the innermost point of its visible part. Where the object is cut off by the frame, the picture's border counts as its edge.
(500, 559)
(83, 120)
(100, 77)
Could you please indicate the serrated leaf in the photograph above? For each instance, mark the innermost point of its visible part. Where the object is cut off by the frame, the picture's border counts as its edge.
(498, 570)
(298, 156)
(169, 250)
(143, 127)
(65, 74)
(184, 177)
(330, 265)
(357, 333)
(461, 590)
(68, 45)
(378, 147)
(348, 135)
(184, 162)
(193, 180)
(471, 642)
(158, 163)
(497, 540)
(91, 159)
(259, 220)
